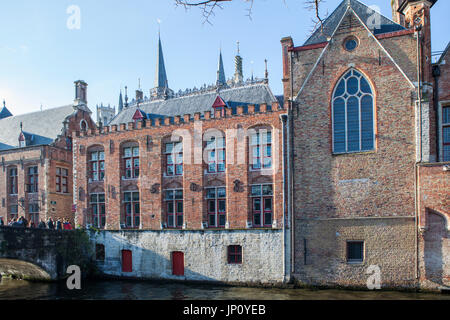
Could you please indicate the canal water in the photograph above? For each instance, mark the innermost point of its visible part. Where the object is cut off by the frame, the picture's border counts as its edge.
(146, 290)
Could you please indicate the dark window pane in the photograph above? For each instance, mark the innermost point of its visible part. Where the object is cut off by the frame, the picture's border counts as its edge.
(355, 251)
(353, 124)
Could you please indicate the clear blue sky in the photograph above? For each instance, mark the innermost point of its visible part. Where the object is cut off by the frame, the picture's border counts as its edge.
(40, 57)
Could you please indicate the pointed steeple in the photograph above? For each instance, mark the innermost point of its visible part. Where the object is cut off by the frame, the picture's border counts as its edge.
(161, 76)
(161, 89)
(221, 80)
(120, 101)
(4, 112)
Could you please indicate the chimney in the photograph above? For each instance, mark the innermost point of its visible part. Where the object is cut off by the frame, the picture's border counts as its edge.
(80, 92)
(286, 44)
(397, 17)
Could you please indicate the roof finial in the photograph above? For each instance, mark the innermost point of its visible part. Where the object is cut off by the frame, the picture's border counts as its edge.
(126, 97)
(4, 103)
(266, 73)
(21, 126)
(238, 47)
(139, 83)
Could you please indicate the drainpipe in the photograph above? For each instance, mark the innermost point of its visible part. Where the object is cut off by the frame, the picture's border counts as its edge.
(416, 166)
(286, 252)
(436, 75)
(290, 151)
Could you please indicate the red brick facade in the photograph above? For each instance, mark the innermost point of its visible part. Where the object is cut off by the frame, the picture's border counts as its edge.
(153, 180)
(48, 201)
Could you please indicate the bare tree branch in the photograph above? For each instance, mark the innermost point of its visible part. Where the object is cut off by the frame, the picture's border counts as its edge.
(208, 7)
(318, 21)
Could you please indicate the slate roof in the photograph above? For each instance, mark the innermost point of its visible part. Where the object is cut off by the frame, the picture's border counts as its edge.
(365, 14)
(40, 128)
(254, 94)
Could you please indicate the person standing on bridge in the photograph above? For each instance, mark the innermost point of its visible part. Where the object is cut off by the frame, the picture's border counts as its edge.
(42, 225)
(58, 224)
(50, 224)
(1, 222)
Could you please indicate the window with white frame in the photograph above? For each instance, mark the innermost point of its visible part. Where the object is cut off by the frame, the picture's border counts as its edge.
(217, 204)
(131, 162)
(174, 158)
(132, 209)
(446, 133)
(174, 207)
(353, 114)
(32, 179)
(215, 148)
(261, 149)
(62, 180)
(98, 210)
(13, 187)
(262, 205)
(97, 165)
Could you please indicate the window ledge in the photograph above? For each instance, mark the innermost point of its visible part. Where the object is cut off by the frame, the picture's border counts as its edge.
(354, 153)
(355, 262)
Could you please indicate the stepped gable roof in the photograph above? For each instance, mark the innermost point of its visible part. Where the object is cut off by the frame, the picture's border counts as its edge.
(199, 102)
(364, 12)
(40, 128)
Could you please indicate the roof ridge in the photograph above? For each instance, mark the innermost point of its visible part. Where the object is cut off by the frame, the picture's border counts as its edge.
(34, 112)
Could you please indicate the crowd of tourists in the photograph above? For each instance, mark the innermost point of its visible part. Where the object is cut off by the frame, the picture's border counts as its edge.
(22, 222)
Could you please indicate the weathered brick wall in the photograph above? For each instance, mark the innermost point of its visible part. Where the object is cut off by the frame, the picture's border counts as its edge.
(321, 257)
(367, 196)
(205, 255)
(434, 224)
(152, 170)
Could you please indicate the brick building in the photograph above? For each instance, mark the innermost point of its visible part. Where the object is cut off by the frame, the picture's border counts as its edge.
(188, 185)
(368, 152)
(36, 160)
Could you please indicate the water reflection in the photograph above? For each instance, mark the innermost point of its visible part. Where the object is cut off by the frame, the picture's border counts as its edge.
(134, 290)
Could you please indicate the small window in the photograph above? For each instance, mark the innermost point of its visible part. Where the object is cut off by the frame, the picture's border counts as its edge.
(355, 251)
(99, 252)
(234, 254)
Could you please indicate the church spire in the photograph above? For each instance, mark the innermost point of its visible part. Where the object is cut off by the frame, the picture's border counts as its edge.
(161, 76)
(161, 89)
(221, 80)
(120, 101)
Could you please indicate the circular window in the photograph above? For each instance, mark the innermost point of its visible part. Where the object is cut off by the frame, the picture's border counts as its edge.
(350, 44)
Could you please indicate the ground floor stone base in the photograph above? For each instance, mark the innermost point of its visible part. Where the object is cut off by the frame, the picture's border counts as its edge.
(322, 256)
(198, 255)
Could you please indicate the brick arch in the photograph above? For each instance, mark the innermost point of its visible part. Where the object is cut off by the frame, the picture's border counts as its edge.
(95, 146)
(444, 216)
(215, 183)
(173, 185)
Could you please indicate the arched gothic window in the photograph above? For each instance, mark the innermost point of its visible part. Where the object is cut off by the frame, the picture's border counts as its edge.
(353, 114)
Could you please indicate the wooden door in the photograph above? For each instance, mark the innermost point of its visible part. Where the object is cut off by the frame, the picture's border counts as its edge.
(127, 261)
(178, 263)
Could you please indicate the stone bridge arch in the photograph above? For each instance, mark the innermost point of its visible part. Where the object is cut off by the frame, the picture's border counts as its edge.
(40, 254)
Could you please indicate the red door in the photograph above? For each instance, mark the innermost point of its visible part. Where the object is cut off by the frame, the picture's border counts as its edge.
(127, 261)
(178, 263)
